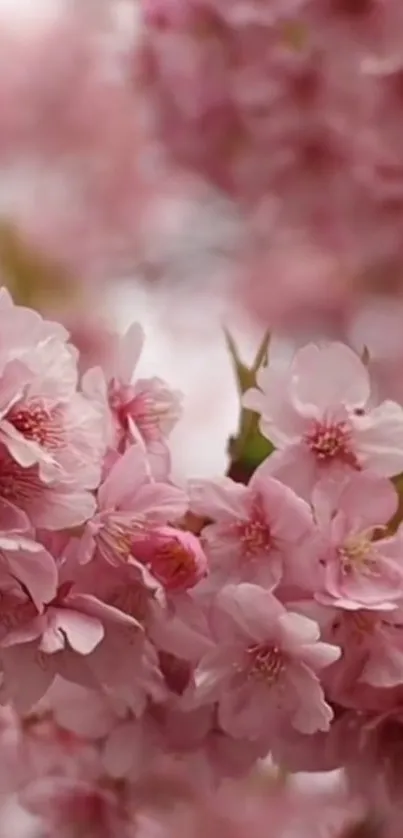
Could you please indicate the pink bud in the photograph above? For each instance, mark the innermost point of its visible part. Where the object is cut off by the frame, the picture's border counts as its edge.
(174, 557)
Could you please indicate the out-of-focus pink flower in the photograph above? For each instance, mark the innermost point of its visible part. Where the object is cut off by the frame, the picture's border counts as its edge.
(263, 671)
(318, 413)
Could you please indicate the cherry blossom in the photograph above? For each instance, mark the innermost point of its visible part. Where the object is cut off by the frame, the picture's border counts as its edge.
(144, 411)
(360, 568)
(251, 537)
(263, 670)
(318, 414)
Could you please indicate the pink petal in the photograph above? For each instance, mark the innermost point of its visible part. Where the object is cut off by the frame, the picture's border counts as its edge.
(125, 478)
(384, 669)
(120, 749)
(130, 349)
(27, 676)
(160, 502)
(327, 376)
(297, 629)
(254, 610)
(220, 499)
(311, 712)
(83, 633)
(380, 438)
(36, 569)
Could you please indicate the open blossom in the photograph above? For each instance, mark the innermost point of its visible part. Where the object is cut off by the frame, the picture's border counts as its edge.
(144, 410)
(130, 502)
(257, 532)
(52, 439)
(359, 567)
(318, 413)
(263, 671)
(370, 664)
(39, 646)
(44, 420)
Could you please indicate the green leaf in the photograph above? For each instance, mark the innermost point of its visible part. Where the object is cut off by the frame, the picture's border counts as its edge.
(248, 448)
(244, 376)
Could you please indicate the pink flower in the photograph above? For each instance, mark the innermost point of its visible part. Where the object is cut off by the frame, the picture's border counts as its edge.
(258, 531)
(359, 568)
(263, 671)
(55, 505)
(39, 646)
(130, 502)
(318, 414)
(371, 662)
(62, 434)
(145, 411)
(44, 420)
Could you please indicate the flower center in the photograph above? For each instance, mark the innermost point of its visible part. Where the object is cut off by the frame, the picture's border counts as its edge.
(357, 553)
(331, 441)
(266, 663)
(254, 533)
(39, 423)
(116, 538)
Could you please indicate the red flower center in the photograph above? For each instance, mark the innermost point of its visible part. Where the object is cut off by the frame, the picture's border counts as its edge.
(39, 423)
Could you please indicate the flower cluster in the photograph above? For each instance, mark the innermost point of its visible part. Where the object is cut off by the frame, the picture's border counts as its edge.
(203, 625)
(294, 109)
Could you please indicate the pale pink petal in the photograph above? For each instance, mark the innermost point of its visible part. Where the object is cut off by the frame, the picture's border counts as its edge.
(380, 439)
(322, 377)
(279, 421)
(61, 508)
(37, 571)
(120, 749)
(130, 348)
(247, 712)
(85, 712)
(90, 605)
(254, 610)
(221, 499)
(126, 476)
(27, 675)
(297, 629)
(83, 632)
(311, 712)
(160, 502)
(295, 467)
(385, 668)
